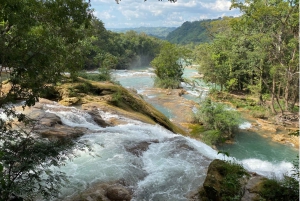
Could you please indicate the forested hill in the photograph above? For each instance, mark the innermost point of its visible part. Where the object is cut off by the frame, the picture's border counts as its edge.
(158, 32)
(190, 32)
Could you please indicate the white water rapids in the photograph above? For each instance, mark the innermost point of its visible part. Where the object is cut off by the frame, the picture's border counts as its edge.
(171, 167)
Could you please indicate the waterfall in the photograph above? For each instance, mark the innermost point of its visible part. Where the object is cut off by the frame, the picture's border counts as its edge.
(169, 168)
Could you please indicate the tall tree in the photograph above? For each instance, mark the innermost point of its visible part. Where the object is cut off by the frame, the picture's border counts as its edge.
(272, 26)
(39, 39)
(169, 65)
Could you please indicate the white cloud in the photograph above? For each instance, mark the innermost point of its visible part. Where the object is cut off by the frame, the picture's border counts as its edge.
(219, 5)
(136, 13)
(106, 15)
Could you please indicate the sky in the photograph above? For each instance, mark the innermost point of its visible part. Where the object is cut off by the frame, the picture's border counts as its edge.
(154, 13)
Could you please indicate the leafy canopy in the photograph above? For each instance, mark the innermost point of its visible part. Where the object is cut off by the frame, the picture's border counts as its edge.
(169, 65)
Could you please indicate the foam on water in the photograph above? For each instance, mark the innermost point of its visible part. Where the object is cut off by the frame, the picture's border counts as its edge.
(171, 167)
(130, 73)
(245, 125)
(271, 170)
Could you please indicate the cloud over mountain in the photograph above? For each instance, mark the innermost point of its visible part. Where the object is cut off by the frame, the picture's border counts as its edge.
(136, 13)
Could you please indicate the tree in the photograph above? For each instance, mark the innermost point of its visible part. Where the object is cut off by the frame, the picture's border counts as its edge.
(272, 27)
(39, 41)
(169, 65)
(257, 51)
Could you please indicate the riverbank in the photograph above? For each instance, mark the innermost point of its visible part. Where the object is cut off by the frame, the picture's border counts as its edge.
(182, 115)
(280, 128)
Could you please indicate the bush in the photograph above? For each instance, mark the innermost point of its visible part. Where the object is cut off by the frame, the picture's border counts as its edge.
(216, 116)
(89, 76)
(287, 189)
(104, 74)
(166, 83)
(211, 137)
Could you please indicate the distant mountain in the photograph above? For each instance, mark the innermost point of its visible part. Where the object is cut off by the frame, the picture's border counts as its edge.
(159, 32)
(189, 32)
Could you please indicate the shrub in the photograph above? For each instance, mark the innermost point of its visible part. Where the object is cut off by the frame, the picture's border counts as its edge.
(216, 116)
(104, 74)
(287, 189)
(211, 137)
(167, 83)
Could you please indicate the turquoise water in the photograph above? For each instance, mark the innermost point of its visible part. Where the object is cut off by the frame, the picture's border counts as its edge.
(251, 145)
(247, 144)
(163, 110)
(136, 82)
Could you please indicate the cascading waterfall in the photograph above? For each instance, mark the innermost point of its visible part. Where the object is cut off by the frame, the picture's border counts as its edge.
(171, 167)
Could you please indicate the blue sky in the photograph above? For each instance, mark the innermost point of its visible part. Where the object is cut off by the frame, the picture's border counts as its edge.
(154, 13)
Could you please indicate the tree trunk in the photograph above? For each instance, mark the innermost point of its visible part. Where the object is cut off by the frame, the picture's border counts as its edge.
(273, 95)
(260, 87)
(287, 91)
(279, 90)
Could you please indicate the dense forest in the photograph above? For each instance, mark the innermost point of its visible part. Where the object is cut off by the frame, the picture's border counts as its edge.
(158, 32)
(121, 50)
(256, 53)
(190, 32)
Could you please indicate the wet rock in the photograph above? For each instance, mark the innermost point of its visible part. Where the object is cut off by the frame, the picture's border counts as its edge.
(212, 183)
(97, 117)
(60, 131)
(108, 191)
(213, 189)
(250, 188)
(181, 92)
(69, 101)
(118, 193)
(278, 137)
(139, 148)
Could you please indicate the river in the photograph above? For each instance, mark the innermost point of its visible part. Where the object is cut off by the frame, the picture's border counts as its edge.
(173, 165)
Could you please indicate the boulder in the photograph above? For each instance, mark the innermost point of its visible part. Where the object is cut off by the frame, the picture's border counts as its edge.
(139, 148)
(250, 188)
(118, 193)
(60, 131)
(212, 183)
(97, 117)
(213, 188)
(107, 191)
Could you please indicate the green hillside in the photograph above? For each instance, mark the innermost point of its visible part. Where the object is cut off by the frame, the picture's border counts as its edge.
(158, 32)
(189, 32)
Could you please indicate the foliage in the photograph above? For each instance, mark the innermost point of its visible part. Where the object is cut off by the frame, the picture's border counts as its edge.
(256, 52)
(196, 129)
(89, 76)
(216, 116)
(117, 97)
(40, 44)
(28, 164)
(169, 65)
(40, 40)
(287, 189)
(119, 50)
(211, 137)
(231, 186)
(158, 32)
(189, 32)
